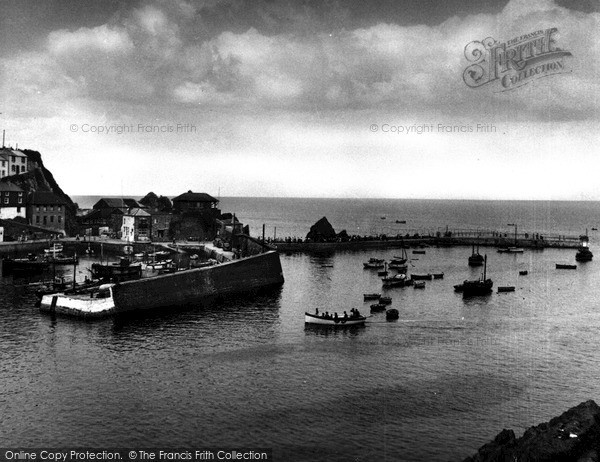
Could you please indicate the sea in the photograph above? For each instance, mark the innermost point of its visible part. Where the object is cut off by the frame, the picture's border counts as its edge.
(246, 372)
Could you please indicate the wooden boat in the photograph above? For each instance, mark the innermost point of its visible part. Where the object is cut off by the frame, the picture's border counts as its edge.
(56, 248)
(158, 265)
(378, 307)
(438, 275)
(584, 253)
(459, 287)
(565, 266)
(371, 296)
(506, 288)
(482, 286)
(339, 322)
(62, 260)
(422, 252)
(523, 273)
(401, 222)
(385, 300)
(420, 285)
(421, 277)
(24, 266)
(511, 250)
(392, 314)
(374, 263)
(476, 259)
(382, 273)
(397, 280)
(124, 270)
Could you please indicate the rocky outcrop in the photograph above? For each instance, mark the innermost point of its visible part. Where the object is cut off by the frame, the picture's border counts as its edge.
(573, 436)
(41, 179)
(321, 231)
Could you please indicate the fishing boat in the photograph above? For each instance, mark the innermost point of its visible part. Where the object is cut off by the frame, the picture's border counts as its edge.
(438, 275)
(459, 287)
(385, 300)
(123, 270)
(583, 252)
(62, 259)
(523, 273)
(392, 314)
(339, 322)
(23, 266)
(402, 259)
(420, 285)
(421, 277)
(383, 272)
(565, 266)
(158, 265)
(422, 252)
(476, 259)
(397, 280)
(506, 289)
(371, 296)
(374, 263)
(401, 222)
(56, 248)
(378, 307)
(481, 286)
(511, 250)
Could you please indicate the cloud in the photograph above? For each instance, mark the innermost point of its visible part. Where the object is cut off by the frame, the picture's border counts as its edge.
(164, 53)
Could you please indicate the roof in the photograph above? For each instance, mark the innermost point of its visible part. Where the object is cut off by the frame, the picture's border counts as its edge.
(11, 152)
(137, 212)
(46, 198)
(8, 186)
(116, 202)
(194, 197)
(101, 214)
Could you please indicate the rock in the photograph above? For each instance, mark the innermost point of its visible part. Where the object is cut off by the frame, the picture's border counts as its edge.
(573, 436)
(343, 235)
(321, 231)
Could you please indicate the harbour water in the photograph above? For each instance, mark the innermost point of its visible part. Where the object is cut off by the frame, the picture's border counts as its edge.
(433, 386)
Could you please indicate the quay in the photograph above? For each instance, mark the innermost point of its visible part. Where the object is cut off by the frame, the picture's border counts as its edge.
(447, 238)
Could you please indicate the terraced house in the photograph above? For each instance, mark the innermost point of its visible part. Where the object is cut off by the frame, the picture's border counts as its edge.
(12, 162)
(47, 210)
(12, 201)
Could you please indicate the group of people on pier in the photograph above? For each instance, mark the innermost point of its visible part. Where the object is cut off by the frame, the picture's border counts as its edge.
(354, 313)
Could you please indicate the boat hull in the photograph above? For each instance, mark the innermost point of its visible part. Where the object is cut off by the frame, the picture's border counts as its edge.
(341, 322)
(83, 306)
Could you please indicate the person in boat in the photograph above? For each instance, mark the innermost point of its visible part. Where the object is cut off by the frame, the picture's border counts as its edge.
(317, 312)
(335, 317)
(345, 316)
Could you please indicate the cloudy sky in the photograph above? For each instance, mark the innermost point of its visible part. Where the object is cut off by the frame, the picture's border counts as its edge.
(297, 98)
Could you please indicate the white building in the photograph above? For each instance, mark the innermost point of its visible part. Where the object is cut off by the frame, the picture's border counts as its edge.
(1, 234)
(12, 201)
(12, 162)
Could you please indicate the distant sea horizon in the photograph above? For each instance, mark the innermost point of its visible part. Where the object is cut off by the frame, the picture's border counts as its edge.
(293, 216)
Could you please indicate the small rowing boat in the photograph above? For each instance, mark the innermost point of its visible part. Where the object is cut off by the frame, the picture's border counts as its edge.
(339, 322)
(371, 296)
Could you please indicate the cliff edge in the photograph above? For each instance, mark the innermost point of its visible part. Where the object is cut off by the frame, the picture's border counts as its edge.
(574, 436)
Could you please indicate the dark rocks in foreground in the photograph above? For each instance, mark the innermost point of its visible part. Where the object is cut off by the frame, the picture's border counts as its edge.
(573, 436)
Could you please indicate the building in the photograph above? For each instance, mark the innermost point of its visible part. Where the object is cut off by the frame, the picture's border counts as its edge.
(47, 210)
(13, 162)
(161, 224)
(1, 234)
(12, 201)
(137, 226)
(101, 221)
(194, 202)
(124, 204)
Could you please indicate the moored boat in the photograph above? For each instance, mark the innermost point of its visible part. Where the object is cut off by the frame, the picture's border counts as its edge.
(523, 273)
(481, 286)
(421, 252)
(123, 270)
(378, 307)
(511, 250)
(420, 285)
(438, 275)
(421, 277)
(565, 266)
(476, 259)
(339, 322)
(397, 280)
(56, 248)
(583, 252)
(87, 304)
(371, 296)
(385, 300)
(392, 314)
(506, 288)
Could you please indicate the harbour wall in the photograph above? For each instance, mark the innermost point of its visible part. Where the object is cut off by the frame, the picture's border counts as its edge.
(179, 288)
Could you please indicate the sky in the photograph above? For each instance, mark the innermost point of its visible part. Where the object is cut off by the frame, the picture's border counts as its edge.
(299, 98)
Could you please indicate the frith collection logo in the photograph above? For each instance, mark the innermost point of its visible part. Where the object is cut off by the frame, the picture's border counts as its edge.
(516, 62)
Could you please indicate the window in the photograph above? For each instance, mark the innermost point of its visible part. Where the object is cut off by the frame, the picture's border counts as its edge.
(45, 219)
(52, 208)
(20, 200)
(21, 194)
(12, 168)
(59, 208)
(44, 208)
(22, 160)
(37, 218)
(37, 208)
(12, 158)
(59, 219)
(51, 218)
(6, 200)
(4, 163)
(18, 209)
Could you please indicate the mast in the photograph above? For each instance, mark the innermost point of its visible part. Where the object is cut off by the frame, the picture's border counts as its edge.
(484, 267)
